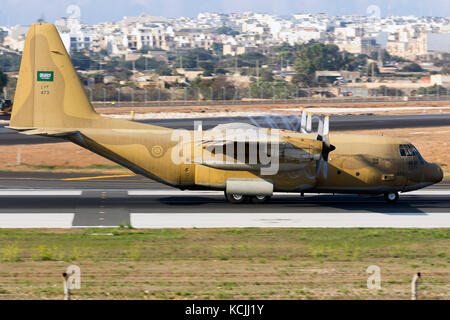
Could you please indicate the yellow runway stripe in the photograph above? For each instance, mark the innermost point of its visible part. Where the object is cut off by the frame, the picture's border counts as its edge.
(99, 177)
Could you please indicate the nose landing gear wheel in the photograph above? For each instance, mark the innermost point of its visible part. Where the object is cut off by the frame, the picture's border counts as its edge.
(260, 199)
(391, 197)
(236, 198)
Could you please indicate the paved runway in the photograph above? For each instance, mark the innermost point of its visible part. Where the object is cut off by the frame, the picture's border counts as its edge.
(51, 201)
(337, 123)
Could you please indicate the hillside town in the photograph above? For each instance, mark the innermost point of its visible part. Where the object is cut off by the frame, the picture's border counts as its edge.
(251, 55)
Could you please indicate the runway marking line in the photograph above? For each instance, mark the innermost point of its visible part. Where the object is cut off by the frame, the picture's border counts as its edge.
(39, 192)
(36, 220)
(239, 220)
(288, 220)
(99, 177)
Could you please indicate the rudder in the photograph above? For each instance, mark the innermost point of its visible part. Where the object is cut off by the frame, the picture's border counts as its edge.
(49, 93)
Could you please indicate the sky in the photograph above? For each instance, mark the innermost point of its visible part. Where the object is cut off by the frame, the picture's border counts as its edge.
(26, 12)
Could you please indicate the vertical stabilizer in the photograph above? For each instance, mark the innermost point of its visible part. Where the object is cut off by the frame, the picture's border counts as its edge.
(49, 93)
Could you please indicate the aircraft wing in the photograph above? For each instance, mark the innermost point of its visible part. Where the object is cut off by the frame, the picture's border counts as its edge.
(236, 153)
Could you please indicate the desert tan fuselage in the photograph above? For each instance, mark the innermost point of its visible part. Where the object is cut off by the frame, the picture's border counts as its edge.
(360, 163)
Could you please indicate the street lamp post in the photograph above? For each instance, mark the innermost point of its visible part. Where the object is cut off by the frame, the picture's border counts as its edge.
(118, 96)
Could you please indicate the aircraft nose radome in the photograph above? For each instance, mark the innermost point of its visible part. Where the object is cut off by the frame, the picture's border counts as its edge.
(435, 173)
(440, 174)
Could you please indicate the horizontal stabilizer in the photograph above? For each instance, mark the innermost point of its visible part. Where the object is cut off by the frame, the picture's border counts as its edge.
(54, 132)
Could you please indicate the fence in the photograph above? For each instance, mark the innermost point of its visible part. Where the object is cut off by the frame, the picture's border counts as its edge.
(137, 97)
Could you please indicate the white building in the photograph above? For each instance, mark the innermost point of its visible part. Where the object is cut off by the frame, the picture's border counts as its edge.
(16, 37)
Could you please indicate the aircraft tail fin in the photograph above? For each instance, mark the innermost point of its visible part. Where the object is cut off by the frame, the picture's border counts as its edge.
(49, 93)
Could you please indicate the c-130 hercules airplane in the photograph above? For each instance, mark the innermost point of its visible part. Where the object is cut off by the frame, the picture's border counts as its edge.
(247, 162)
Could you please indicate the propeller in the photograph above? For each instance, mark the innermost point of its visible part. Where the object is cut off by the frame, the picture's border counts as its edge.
(322, 135)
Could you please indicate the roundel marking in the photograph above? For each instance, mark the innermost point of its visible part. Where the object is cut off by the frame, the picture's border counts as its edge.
(157, 151)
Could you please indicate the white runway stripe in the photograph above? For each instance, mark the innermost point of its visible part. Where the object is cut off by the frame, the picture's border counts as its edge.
(173, 192)
(39, 192)
(290, 220)
(36, 220)
(427, 193)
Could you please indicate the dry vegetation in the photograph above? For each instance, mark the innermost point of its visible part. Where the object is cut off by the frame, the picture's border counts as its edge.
(55, 157)
(125, 108)
(224, 263)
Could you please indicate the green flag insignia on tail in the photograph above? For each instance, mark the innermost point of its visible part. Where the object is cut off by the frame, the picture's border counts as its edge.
(45, 76)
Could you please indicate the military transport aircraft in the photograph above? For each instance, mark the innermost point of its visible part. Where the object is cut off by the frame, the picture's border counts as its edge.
(247, 162)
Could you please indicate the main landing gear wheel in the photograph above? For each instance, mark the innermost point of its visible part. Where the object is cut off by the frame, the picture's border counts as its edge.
(391, 197)
(260, 199)
(236, 198)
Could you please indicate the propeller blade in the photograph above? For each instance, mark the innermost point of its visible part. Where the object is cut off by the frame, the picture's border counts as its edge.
(318, 167)
(198, 126)
(326, 126)
(320, 130)
(321, 165)
(327, 147)
(325, 169)
(308, 123)
(303, 122)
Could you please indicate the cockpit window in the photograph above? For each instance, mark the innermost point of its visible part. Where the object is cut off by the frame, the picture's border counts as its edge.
(417, 153)
(408, 150)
